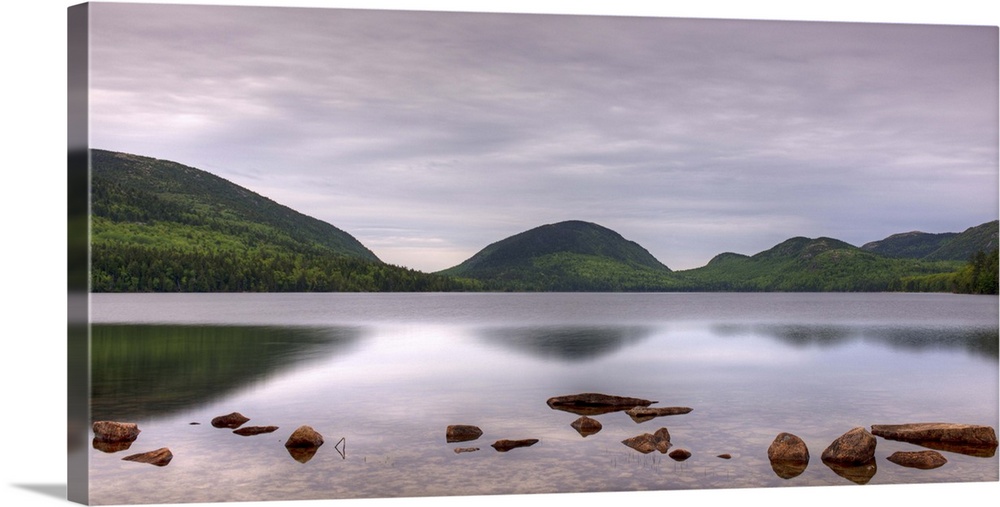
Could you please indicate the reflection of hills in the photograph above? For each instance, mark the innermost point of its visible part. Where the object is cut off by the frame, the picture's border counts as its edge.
(566, 343)
(979, 341)
(152, 370)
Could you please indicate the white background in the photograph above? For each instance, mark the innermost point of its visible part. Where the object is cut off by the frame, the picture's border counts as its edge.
(33, 274)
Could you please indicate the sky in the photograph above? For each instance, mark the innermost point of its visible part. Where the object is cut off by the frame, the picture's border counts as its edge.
(429, 135)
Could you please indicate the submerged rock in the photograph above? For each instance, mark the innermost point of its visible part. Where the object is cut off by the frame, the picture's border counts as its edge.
(160, 457)
(506, 445)
(595, 403)
(586, 426)
(854, 448)
(255, 430)
(462, 433)
(115, 432)
(643, 414)
(232, 421)
(304, 438)
(924, 460)
(963, 434)
(649, 442)
(459, 450)
(789, 455)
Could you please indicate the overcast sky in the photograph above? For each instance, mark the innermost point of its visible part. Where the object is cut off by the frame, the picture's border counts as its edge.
(428, 136)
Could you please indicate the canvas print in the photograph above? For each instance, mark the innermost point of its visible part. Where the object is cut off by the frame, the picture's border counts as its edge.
(345, 253)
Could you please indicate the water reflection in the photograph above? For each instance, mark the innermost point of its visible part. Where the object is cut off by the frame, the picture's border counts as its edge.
(567, 343)
(151, 370)
(980, 342)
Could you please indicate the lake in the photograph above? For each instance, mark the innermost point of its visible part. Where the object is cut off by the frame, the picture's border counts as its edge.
(381, 377)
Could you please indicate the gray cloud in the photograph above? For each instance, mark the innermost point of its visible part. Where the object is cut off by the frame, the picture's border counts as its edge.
(429, 135)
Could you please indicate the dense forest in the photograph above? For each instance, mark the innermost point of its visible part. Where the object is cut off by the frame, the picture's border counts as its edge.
(159, 226)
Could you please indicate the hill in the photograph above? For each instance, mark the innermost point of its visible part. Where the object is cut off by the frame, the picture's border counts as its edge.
(157, 225)
(566, 256)
(943, 246)
(804, 264)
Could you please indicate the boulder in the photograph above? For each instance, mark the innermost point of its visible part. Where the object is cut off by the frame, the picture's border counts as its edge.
(854, 448)
(680, 454)
(647, 442)
(787, 447)
(462, 433)
(160, 457)
(595, 403)
(963, 434)
(115, 432)
(924, 460)
(304, 438)
(643, 414)
(506, 445)
(231, 421)
(586, 426)
(255, 430)
(789, 455)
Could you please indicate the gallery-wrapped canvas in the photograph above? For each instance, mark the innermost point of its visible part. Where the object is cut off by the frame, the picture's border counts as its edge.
(330, 254)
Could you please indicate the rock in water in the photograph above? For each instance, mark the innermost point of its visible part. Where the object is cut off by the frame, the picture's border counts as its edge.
(680, 454)
(788, 447)
(460, 450)
(647, 443)
(231, 421)
(160, 457)
(255, 430)
(966, 434)
(304, 438)
(854, 448)
(115, 432)
(643, 414)
(924, 460)
(506, 445)
(462, 433)
(789, 455)
(586, 426)
(595, 403)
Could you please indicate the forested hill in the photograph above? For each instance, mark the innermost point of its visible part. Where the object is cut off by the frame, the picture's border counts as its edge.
(566, 256)
(813, 264)
(161, 226)
(943, 246)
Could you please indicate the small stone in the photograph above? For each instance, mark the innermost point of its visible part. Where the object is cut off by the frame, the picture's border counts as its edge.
(924, 460)
(304, 438)
(160, 457)
(255, 430)
(586, 426)
(462, 433)
(232, 421)
(459, 450)
(680, 454)
(506, 445)
(111, 431)
(725, 456)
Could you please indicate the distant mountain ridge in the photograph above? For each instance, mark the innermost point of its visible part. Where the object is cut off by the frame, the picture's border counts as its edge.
(158, 225)
(943, 246)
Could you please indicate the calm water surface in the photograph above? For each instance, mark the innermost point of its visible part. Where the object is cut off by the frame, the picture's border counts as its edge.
(387, 373)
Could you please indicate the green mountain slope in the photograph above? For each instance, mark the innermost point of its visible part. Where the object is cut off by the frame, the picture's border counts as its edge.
(158, 225)
(804, 264)
(566, 256)
(944, 246)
